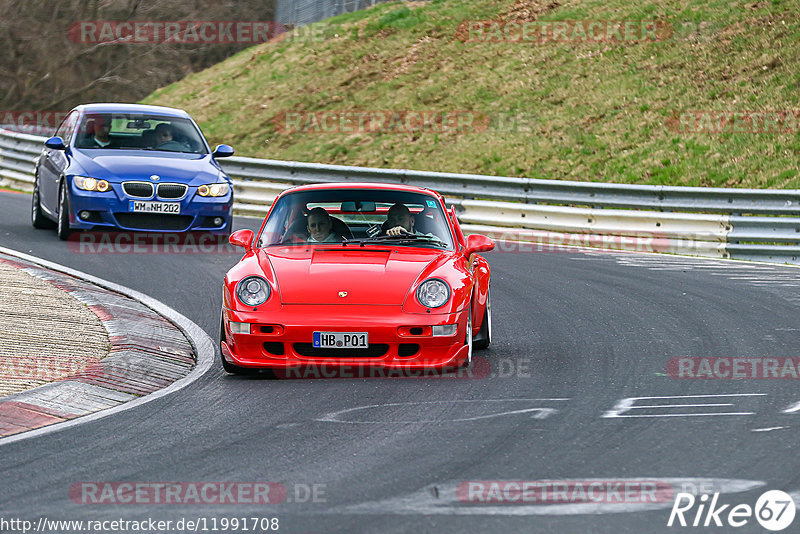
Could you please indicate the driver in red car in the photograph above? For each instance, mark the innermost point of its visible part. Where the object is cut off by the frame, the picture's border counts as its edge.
(400, 221)
(320, 227)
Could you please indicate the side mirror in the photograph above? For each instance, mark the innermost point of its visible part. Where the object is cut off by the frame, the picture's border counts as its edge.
(477, 243)
(242, 238)
(222, 151)
(55, 143)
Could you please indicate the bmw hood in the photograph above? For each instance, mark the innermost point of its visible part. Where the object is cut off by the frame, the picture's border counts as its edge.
(336, 275)
(113, 166)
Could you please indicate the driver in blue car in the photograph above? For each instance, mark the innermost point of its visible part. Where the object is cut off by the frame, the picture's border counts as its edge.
(100, 126)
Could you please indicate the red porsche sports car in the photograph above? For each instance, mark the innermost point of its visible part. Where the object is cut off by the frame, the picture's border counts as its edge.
(373, 275)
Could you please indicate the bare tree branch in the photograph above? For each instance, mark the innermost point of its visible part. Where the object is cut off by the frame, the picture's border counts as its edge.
(41, 66)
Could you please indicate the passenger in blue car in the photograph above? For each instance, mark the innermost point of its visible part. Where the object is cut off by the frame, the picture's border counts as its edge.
(163, 134)
(165, 140)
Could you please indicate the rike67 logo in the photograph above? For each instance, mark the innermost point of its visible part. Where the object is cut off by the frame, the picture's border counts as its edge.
(774, 510)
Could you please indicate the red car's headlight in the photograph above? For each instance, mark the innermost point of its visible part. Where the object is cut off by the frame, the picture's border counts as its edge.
(433, 293)
(253, 290)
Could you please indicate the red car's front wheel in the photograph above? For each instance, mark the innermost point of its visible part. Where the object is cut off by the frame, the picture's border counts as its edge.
(484, 337)
(468, 338)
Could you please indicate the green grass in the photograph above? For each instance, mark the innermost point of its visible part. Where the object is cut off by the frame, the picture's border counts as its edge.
(578, 111)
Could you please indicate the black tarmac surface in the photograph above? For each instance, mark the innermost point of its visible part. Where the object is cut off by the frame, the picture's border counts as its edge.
(575, 333)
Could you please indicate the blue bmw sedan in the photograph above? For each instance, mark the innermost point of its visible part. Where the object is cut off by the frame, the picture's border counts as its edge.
(131, 167)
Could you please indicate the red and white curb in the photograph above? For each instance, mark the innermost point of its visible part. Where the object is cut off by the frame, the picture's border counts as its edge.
(155, 351)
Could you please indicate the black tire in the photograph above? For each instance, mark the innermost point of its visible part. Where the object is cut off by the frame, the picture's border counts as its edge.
(63, 228)
(38, 218)
(484, 337)
(223, 238)
(468, 338)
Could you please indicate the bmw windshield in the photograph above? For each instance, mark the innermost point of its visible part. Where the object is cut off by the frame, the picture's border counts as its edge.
(129, 131)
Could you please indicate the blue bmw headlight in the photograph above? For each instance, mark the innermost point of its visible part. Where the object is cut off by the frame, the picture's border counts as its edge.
(213, 190)
(433, 293)
(90, 184)
(253, 290)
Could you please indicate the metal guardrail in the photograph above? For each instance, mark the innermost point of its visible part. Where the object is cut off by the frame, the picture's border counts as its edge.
(18, 154)
(531, 190)
(732, 223)
(302, 12)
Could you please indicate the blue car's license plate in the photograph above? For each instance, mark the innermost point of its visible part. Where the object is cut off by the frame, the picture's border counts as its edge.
(341, 340)
(173, 208)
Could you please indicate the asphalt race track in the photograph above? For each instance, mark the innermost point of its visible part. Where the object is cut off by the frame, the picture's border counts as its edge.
(575, 333)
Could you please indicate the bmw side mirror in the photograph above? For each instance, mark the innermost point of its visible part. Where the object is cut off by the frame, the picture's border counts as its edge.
(55, 143)
(478, 243)
(222, 151)
(242, 238)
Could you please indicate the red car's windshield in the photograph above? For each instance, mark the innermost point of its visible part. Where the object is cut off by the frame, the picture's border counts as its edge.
(357, 216)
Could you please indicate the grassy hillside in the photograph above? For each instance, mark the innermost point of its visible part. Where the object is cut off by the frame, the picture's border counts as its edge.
(579, 110)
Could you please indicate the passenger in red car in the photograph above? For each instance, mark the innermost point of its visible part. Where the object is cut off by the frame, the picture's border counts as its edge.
(320, 227)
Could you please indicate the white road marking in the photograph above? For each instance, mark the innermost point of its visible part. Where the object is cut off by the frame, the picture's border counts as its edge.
(683, 414)
(770, 429)
(537, 412)
(628, 404)
(678, 406)
(754, 274)
(793, 408)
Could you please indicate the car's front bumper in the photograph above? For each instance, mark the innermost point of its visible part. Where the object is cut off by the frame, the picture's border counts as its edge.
(110, 210)
(291, 329)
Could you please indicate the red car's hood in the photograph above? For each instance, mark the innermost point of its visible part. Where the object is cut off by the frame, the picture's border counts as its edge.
(369, 275)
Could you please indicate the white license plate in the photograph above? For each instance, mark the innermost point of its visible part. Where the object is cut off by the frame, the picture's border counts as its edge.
(341, 340)
(173, 208)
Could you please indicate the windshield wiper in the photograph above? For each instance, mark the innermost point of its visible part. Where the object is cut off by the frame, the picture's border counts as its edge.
(397, 239)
